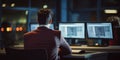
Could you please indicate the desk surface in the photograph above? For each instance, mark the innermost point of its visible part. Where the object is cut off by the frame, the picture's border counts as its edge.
(108, 48)
(87, 56)
(88, 47)
(84, 47)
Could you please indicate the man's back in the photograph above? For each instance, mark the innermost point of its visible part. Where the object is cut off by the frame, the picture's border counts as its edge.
(44, 38)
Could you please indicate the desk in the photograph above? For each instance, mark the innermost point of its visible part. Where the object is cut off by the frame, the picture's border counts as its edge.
(108, 48)
(113, 51)
(104, 49)
(87, 56)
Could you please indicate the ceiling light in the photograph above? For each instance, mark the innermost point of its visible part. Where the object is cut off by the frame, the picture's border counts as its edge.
(110, 11)
(4, 5)
(13, 4)
(45, 6)
(26, 12)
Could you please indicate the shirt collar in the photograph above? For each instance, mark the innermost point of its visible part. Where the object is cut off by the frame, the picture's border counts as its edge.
(48, 25)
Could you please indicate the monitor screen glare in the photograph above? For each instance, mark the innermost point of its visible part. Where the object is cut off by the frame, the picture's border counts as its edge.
(72, 30)
(99, 30)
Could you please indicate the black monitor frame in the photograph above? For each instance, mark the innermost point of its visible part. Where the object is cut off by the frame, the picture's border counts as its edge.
(72, 23)
(111, 32)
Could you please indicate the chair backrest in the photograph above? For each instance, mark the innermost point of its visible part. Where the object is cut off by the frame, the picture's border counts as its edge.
(36, 54)
(29, 54)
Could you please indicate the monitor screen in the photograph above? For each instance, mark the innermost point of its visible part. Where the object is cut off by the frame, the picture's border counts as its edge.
(100, 30)
(72, 30)
(34, 26)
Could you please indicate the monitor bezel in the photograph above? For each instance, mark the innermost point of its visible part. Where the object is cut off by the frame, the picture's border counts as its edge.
(73, 23)
(87, 36)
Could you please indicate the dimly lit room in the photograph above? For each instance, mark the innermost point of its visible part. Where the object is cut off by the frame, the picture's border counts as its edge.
(71, 29)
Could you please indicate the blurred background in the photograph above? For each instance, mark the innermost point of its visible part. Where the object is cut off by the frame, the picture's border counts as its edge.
(21, 13)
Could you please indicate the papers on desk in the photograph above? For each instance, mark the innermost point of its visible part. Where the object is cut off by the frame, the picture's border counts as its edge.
(75, 51)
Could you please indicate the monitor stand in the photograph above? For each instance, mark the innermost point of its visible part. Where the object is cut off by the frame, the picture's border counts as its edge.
(99, 43)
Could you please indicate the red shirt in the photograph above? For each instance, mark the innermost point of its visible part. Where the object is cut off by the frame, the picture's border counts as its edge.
(51, 40)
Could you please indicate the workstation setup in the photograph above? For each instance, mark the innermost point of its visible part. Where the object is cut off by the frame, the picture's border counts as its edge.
(91, 28)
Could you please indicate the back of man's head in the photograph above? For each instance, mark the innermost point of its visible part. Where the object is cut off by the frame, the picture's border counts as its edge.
(44, 16)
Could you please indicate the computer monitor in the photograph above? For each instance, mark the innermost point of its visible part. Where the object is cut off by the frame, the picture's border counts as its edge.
(34, 26)
(101, 30)
(72, 30)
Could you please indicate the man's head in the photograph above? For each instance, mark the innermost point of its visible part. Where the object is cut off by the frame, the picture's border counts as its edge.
(114, 19)
(45, 16)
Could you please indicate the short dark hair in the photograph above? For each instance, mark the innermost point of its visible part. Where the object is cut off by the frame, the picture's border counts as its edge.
(44, 15)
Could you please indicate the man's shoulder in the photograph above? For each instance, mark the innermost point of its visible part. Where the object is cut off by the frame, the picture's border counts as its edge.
(56, 31)
(29, 33)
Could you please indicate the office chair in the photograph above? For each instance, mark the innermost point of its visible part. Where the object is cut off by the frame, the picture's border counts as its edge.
(26, 54)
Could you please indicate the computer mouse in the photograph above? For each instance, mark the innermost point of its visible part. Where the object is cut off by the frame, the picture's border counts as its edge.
(82, 51)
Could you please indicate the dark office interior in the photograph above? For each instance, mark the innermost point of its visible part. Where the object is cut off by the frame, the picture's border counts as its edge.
(98, 38)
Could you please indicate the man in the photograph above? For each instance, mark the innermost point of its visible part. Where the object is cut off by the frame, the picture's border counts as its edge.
(45, 38)
(115, 24)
